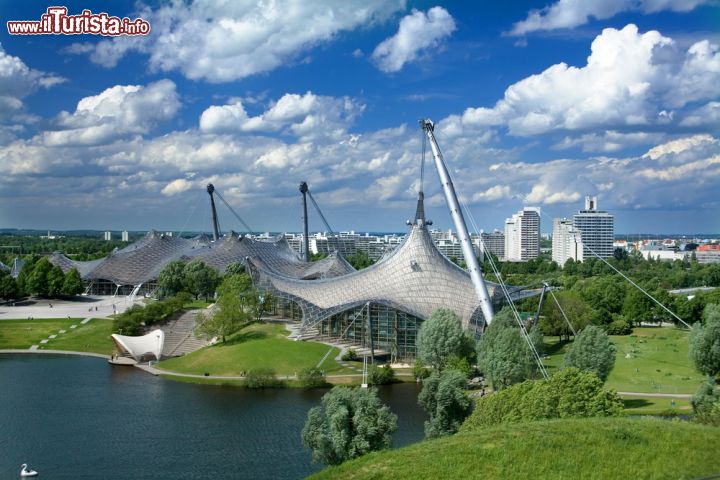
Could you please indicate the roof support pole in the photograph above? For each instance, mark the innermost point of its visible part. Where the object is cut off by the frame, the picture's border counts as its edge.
(216, 227)
(460, 226)
(306, 240)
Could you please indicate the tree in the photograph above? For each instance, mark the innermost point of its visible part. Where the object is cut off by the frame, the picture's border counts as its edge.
(350, 422)
(55, 280)
(592, 351)
(381, 375)
(236, 306)
(360, 260)
(73, 283)
(705, 342)
(170, 279)
(443, 398)
(504, 356)
(605, 293)
(235, 269)
(199, 279)
(312, 377)
(37, 281)
(577, 311)
(440, 336)
(8, 287)
(637, 307)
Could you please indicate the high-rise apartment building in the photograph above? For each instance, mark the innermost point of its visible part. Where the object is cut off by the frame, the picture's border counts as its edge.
(566, 242)
(522, 235)
(494, 243)
(107, 236)
(598, 229)
(125, 236)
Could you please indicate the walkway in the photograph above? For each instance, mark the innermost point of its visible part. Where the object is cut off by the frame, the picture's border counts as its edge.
(654, 395)
(55, 352)
(101, 306)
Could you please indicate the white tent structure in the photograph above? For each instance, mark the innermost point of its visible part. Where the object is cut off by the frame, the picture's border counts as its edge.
(145, 347)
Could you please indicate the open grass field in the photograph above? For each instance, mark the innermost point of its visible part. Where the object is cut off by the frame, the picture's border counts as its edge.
(256, 346)
(24, 333)
(656, 406)
(94, 337)
(597, 448)
(652, 360)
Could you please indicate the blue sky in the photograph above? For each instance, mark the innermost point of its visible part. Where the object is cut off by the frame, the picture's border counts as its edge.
(535, 103)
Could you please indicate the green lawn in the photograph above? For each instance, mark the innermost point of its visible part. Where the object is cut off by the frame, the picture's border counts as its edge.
(24, 333)
(195, 304)
(597, 448)
(652, 360)
(256, 346)
(656, 406)
(94, 337)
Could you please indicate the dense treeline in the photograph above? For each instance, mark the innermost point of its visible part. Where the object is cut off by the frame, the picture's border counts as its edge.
(76, 247)
(40, 278)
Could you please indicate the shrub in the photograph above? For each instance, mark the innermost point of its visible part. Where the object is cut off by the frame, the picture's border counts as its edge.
(350, 356)
(619, 326)
(706, 404)
(312, 378)
(262, 378)
(381, 375)
(568, 393)
(420, 371)
(593, 351)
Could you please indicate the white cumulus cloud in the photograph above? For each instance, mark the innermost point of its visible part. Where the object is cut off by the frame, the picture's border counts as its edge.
(418, 33)
(115, 112)
(176, 186)
(572, 13)
(221, 41)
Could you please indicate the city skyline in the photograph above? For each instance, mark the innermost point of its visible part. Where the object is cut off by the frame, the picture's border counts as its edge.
(536, 104)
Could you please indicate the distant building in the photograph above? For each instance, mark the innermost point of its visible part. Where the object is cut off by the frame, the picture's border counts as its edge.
(566, 242)
(107, 236)
(598, 229)
(125, 236)
(522, 235)
(494, 243)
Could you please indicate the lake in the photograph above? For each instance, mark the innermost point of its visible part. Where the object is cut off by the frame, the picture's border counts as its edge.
(77, 418)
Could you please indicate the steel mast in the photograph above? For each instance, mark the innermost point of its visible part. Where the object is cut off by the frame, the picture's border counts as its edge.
(306, 240)
(459, 221)
(216, 226)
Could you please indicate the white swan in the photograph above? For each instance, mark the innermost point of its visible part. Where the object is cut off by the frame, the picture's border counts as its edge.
(27, 473)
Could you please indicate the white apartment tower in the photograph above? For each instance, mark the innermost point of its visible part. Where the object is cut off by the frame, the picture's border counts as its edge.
(107, 236)
(522, 235)
(566, 242)
(125, 236)
(598, 229)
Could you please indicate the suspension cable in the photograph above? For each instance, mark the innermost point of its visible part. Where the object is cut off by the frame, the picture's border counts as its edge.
(563, 312)
(187, 219)
(247, 227)
(322, 217)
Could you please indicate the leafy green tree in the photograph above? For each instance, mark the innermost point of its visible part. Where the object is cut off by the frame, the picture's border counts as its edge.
(199, 279)
(604, 293)
(72, 285)
(443, 398)
(637, 307)
(592, 351)
(381, 375)
(55, 280)
(262, 378)
(504, 356)
(350, 422)
(37, 281)
(440, 336)
(8, 286)
(171, 277)
(705, 342)
(235, 269)
(237, 305)
(360, 260)
(567, 394)
(553, 322)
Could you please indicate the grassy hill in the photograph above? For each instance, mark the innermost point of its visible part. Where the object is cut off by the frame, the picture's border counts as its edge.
(256, 346)
(652, 360)
(598, 448)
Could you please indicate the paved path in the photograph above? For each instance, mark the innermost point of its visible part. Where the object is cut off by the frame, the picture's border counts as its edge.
(98, 306)
(655, 395)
